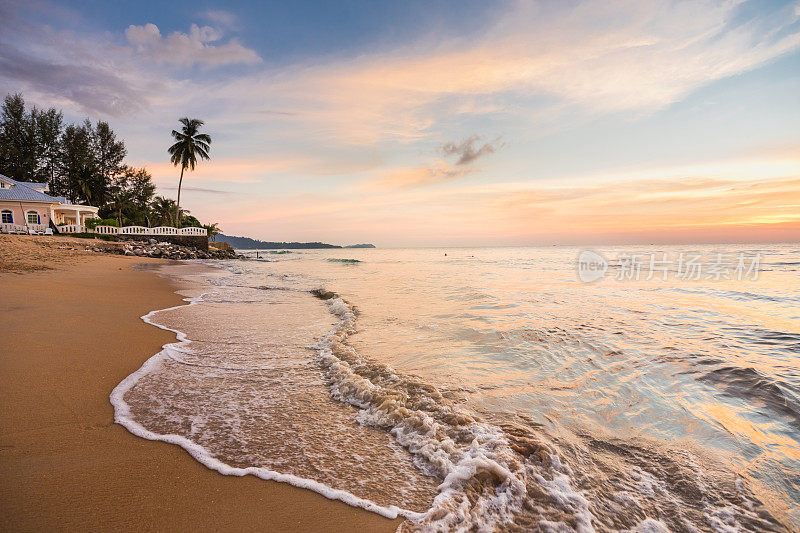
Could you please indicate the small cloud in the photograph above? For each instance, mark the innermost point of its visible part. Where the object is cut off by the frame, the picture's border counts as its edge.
(196, 189)
(275, 112)
(186, 49)
(471, 149)
(220, 17)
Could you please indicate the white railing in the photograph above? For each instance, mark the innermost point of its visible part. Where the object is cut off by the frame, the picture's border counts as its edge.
(71, 228)
(106, 230)
(161, 230)
(135, 230)
(165, 230)
(194, 231)
(13, 228)
(37, 228)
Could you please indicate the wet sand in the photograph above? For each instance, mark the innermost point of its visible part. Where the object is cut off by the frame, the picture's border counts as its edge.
(70, 333)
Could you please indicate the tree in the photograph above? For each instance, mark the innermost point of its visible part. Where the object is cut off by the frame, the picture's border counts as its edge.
(85, 162)
(141, 186)
(17, 140)
(212, 229)
(77, 168)
(190, 144)
(48, 125)
(108, 153)
(120, 201)
(138, 185)
(163, 209)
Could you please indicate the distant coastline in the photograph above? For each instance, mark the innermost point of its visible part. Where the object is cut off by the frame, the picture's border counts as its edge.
(246, 243)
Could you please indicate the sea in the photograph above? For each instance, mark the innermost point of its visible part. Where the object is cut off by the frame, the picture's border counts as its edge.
(494, 389)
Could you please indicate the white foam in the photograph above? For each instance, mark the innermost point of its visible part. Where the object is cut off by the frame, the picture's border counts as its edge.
(437, 454)
(417, 431)
(723, 520)
(651, 525)
(123, 416)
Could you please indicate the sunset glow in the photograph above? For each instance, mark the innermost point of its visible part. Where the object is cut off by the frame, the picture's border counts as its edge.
(542, 124)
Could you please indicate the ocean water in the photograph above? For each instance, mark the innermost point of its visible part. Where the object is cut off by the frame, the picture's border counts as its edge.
(491, 389)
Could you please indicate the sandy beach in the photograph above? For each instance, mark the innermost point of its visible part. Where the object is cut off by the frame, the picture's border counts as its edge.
(71, 333)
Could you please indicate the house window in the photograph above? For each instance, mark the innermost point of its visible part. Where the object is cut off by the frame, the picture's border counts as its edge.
(6, 217)
(33, 217)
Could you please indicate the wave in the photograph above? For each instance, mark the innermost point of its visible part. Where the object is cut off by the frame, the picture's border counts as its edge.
(507, 476)
(750, 384)
(493, 474)
(124, 417)
(346, 261)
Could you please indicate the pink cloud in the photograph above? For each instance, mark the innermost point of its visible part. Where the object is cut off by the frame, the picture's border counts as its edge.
(187, 49)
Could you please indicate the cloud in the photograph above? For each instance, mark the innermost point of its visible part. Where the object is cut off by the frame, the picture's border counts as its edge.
(642, 57)
(222, 18)
(195, 189)
(467, 152)
(534, 64)
(187, 49)
(94, 88)
(365, 120)
(692, 209)
(438, 171)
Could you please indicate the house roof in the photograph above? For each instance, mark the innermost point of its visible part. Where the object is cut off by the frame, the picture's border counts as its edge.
(20, 190)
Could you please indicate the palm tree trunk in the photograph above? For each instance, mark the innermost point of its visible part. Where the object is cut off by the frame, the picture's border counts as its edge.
(178, 205)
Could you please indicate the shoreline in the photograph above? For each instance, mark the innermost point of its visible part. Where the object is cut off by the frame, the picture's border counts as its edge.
(122, 414)
(64, 462)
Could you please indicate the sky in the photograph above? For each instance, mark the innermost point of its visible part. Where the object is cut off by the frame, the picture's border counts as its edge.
(432, 123)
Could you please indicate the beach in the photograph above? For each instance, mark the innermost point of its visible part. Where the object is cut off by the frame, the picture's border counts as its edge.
(477, 390)
(71, 333)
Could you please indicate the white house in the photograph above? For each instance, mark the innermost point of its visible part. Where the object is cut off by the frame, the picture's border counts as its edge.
(25, 206)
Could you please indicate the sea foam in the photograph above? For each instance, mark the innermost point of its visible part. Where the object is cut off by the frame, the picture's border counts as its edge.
(123, 416)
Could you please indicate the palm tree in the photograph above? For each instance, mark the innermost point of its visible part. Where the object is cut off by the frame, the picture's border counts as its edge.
(163, 210)
(120, 200)
(212, 229)
(190, 144)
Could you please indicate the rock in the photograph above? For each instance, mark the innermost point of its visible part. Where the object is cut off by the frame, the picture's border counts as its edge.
(153, 241)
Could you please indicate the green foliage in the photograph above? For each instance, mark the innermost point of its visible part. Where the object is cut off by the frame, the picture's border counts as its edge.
(213, 230)
(92, 223)
(190, 144)
(17, 140)
(48, 132)
(85, 163)
(163, 211)
(188, 221)
(77, 169)
(77, 160)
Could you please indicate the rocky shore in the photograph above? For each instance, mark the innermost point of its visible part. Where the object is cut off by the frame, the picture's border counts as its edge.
(168, 250)
(21, 253)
